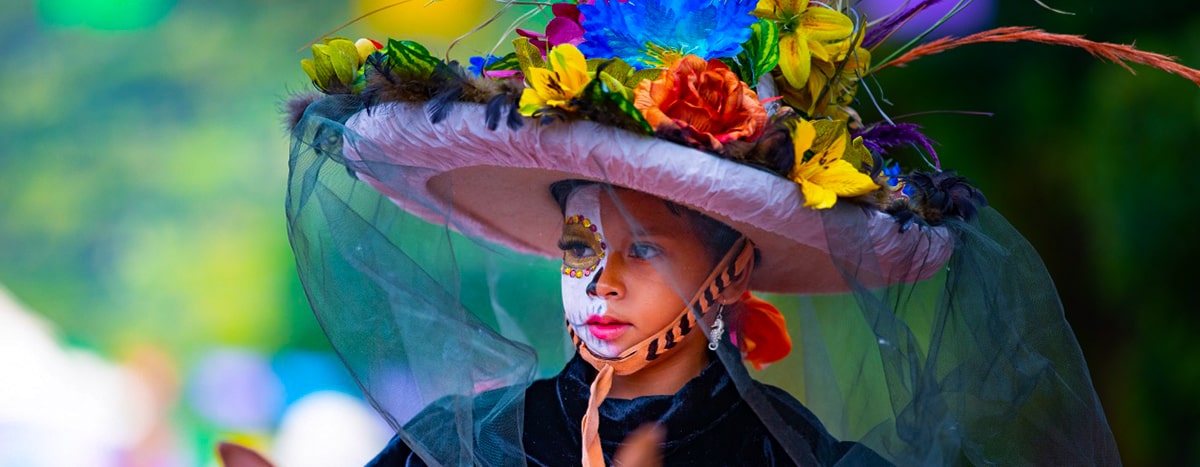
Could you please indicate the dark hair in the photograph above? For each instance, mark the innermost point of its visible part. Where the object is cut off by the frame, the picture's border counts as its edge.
(716, 237)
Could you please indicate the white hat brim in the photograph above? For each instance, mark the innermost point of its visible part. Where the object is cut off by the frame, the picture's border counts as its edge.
(494, 184)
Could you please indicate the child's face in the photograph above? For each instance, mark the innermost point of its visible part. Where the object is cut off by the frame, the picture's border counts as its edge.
(629, 264)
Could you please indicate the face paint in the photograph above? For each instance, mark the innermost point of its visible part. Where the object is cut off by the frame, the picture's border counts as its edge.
(585, 254)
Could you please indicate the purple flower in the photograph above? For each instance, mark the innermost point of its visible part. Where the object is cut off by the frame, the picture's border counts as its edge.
(565, 28)
(879, 137)
(922, 15)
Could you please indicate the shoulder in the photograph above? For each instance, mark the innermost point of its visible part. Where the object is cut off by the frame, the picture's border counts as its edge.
(827, 449)
(489, 410)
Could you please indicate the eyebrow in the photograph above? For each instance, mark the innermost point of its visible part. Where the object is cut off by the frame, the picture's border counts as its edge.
(644, 233)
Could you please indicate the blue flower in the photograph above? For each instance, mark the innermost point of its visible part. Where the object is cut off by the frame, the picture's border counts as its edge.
(645, 33)
(479, 63)
(893, 173)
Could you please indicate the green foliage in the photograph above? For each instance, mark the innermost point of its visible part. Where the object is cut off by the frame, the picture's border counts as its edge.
(528, 55)
(621, 76)
(411, 60)
(608, 97)
(506, 63)
(760, 54)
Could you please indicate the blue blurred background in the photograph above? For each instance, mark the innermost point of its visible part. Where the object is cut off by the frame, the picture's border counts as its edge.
(152, 307)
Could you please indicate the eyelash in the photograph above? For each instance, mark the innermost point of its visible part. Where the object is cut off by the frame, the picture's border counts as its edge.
(569, 245)
(644, 250)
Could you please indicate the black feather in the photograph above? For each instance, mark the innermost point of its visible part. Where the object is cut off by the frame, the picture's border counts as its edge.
(515, 120)
(295, 106)
(495, 105)
(940, 195)
(440, 106)
(451, 81)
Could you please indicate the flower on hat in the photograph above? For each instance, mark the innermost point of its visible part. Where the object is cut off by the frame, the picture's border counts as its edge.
(813, 35)
(336, 66)
(556, 86)
(655, 33)
(821, 166)
(762, 334)
(809, 31)
(563, 29)
(703, 99)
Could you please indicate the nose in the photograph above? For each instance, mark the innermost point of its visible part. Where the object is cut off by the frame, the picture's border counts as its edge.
(608, 283)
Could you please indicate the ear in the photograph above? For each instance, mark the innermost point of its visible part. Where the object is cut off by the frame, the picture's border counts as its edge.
(235, 455)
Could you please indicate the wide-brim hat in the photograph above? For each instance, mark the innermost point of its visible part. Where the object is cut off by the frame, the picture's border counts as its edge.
(494, 184)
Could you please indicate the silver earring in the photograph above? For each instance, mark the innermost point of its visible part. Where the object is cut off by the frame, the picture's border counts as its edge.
(718, 329)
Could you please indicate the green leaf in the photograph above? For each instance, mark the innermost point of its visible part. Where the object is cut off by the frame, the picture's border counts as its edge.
(649, 74)
(611, 83)
(618, 69)
(411, 59)
(760, 54)
(623, 73)
(857, 154)
(528, 55)
(507, 62)
(612, 102)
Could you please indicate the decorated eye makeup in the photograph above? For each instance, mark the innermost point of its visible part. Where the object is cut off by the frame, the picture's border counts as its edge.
(582, 246)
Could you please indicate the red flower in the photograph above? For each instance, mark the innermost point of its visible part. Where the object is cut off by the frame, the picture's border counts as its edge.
(705, 100)
(762, 332)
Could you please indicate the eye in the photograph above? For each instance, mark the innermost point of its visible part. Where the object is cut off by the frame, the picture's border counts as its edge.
(581, 246)
(643, 250)
(576, 248)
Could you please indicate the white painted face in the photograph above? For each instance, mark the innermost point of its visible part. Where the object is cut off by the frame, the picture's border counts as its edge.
(585, 254)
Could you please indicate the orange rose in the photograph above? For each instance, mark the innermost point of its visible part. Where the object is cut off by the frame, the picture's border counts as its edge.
(705, 100)
(762, 332)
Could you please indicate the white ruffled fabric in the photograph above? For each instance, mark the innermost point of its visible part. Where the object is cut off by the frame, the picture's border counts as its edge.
(495, 184)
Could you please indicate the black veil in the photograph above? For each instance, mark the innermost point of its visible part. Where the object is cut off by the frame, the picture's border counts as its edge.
(974, 365)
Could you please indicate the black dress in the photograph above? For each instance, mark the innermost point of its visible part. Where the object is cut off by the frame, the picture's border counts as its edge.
(706, 423)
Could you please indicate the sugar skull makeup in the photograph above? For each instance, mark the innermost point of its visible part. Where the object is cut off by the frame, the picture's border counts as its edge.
(584, 257)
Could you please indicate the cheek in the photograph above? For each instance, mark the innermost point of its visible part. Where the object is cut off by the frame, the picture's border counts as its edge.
(577, 304)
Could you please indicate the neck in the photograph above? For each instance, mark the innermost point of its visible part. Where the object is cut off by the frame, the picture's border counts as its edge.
(664, 377)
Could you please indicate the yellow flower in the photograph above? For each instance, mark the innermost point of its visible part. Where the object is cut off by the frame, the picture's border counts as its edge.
(826, 174)
(814, 100)
(566, 76)
(807, 32)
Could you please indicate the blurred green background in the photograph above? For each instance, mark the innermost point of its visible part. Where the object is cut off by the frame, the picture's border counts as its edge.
(143, 162)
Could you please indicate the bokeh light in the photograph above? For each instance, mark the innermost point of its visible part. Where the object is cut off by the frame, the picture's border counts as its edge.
(104, 15)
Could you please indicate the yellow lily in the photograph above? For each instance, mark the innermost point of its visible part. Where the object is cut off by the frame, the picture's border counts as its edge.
(806, 32)
(842, 85)
(555, 86)
(826, 175)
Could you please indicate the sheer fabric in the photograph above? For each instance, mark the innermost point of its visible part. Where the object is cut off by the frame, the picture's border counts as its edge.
(975, 364)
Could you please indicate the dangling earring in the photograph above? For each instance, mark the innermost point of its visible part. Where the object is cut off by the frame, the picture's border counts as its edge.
(718, 329)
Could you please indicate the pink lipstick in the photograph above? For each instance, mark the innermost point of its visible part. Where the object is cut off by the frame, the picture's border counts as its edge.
(605, 328)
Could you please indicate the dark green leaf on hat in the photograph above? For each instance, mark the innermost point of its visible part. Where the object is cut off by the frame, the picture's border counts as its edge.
(624, 74)
(507, 62)
(600, 102)
(411, 59)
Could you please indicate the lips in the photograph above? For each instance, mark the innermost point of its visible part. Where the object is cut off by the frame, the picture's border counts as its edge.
(606, 328)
